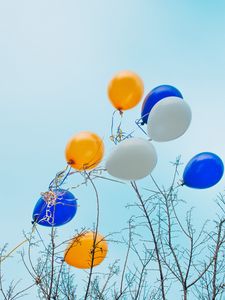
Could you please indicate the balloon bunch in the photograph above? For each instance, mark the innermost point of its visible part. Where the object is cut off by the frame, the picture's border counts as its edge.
(167, 116)
(57, 206)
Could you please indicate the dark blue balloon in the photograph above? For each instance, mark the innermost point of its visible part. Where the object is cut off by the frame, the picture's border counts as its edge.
(55, 208)
(157, 94)
(203, 171)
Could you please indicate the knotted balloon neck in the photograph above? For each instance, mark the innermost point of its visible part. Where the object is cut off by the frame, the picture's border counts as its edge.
(181, 183)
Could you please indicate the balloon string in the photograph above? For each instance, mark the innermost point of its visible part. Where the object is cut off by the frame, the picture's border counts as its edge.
(140, 123)
(18, 246)
(60, 178)
(118, 135)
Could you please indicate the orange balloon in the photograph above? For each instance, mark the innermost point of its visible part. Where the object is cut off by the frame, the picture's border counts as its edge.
(84, 151)
(80, 252)
(125, 90)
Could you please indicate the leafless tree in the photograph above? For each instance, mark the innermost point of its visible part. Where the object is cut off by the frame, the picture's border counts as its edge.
(184, 255)
(163, 252)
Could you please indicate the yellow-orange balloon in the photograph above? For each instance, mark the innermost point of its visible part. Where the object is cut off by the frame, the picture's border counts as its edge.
(125, 90)
(84, 151)
(81, 251)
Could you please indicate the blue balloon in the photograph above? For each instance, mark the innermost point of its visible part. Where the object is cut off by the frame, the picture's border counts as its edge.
(203, 171)
(55, 208)
(157, 94)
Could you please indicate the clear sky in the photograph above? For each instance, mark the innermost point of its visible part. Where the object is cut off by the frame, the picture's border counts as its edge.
(56, 58)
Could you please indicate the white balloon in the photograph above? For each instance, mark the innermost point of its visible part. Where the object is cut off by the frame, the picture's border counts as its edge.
(168, 119)
(132, 159)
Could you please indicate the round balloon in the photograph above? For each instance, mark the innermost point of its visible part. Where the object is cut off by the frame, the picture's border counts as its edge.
(155, 95)
(55, 208)
(80, 251)
(125, 90)
(132, 159)
(84, 151)
(203, 171)
(168, 120)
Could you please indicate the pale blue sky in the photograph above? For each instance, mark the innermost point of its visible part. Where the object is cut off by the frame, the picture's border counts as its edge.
(56, 58)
